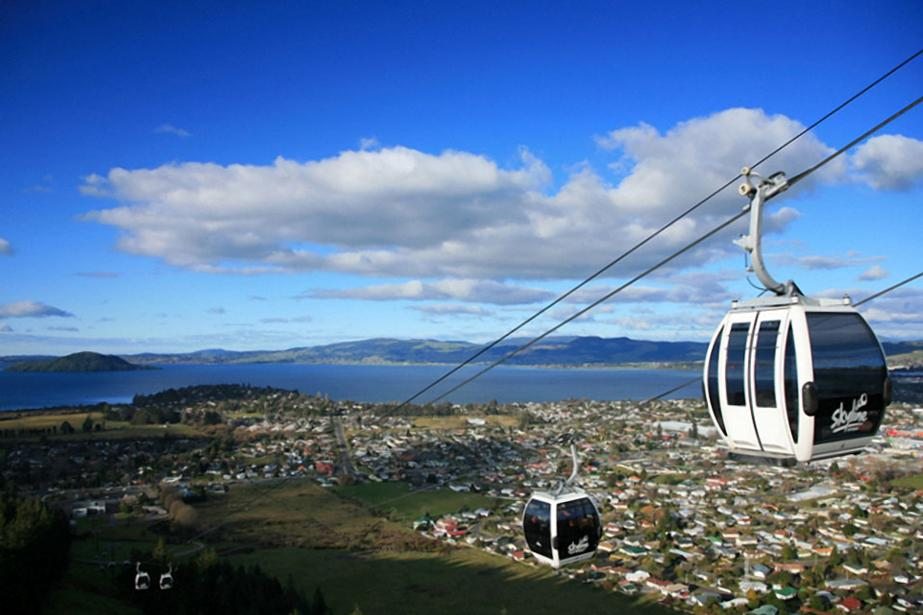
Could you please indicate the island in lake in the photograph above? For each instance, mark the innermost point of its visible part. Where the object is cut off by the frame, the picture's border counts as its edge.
(78, 362)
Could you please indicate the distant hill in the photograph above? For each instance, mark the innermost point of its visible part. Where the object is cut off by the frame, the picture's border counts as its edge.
(568, 351)
(557, 351)
(77, 362)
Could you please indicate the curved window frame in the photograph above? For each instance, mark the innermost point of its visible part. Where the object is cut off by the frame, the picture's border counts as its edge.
(538, 535)
(764, 364)
(713, 382)
(790, 383)
(735, 363)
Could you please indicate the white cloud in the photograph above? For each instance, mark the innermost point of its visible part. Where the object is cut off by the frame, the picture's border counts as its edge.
(367, 143)
(31, 309)
(170, 129)
(875, 272)
(821, 262)
(216, 310)
(694, 288)
(281, 320)
(896, 315)
(401, 212)
(452, 309)
(5, 247)
(476, 291)
(892, 162)
(196, 214)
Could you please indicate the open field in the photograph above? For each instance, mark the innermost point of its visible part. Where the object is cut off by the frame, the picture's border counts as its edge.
(36, 419)
(399, 502)
(912, 482)
(460, 422)
(462, 581)
(33, 421)
(294, 528)
(301, 513)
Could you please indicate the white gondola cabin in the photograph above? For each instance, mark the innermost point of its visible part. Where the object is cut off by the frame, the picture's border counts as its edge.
(142, 579)
(562, 527)
(790, 378)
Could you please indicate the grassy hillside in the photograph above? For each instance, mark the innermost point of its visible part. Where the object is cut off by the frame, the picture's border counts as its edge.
(296, 529)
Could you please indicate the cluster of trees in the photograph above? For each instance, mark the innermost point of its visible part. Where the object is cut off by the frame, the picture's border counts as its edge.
(65, 428)
(31, 431)
(34, 544)
(208, 585)
(212, 392)
(147, 415)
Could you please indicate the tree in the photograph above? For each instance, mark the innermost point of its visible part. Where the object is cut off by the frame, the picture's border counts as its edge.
(318, 604)
(817, 603)
(160, 551)
(66, 428)
(87, 424)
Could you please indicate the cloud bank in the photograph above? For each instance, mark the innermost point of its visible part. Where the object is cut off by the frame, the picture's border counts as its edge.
(31, 309)
(405, 213)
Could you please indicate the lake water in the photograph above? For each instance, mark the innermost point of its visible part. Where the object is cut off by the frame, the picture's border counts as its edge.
(370, 383)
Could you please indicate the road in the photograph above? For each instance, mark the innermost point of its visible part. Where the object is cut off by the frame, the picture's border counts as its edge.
(345, 463)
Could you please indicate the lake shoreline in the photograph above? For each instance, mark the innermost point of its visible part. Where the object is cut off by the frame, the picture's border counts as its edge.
(377, 383)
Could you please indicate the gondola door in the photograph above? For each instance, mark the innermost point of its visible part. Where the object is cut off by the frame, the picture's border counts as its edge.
(765, 371)
(734, 367)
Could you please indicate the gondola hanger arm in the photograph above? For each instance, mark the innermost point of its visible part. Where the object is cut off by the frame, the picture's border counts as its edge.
(768, 188)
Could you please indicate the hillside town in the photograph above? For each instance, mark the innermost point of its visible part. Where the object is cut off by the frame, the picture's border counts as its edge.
(682, 523)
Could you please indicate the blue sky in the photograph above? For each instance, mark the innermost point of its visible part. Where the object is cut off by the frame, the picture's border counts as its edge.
(177, 176)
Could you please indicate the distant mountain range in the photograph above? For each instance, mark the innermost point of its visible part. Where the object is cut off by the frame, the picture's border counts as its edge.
(552, 351)
(562, 351)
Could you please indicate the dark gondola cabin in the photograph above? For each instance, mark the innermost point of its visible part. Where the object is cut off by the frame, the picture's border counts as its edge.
(561, 529)
(793, 378)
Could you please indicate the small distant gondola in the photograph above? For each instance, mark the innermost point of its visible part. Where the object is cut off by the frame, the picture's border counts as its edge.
(142, 579)
(790, 378)
(562, 527)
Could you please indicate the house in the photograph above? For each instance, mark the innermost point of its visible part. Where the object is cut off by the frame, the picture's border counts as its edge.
(856, 569)
(704, 597)
(760, 571)
(323, 467)
(638, 576)
(757, 586)
(846, 584)
(735, 603)
(850, 604)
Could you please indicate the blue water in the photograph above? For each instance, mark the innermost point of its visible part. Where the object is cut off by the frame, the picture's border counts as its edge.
(370, 383)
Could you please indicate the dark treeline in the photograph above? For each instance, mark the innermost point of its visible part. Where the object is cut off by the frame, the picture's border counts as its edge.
(34, 546)
(214, 392)
(207, 585)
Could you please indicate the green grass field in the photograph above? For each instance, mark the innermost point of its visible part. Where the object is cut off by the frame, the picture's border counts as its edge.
(43, 420)
(399, 502)
(35, 420)
(332, 540)
(462, 582)
(910, 482)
